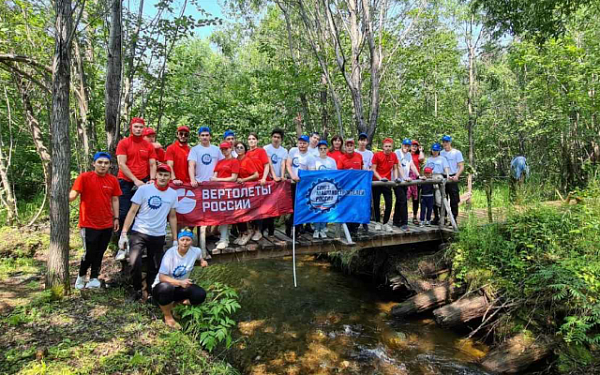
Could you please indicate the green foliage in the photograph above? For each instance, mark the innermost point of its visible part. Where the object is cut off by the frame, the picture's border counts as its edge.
(546, 260)
(210, 322)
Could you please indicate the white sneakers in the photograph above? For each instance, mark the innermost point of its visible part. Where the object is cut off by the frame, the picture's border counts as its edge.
(244, 239)
(222, 245)
(81, 283)
(93, 284)
(388, 228)
(121, 255)
(384, 227)
(316, 234)
(378, 227)
(322, 233)
(257, 235)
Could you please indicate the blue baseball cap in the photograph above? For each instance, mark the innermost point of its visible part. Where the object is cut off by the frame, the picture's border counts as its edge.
(436, 147)
(363, 135)
(322, 143)
(185, 233)
(303, 138)
(204, 129)
(228, 133)
(406, 141)
(446, 138)
(101, 154)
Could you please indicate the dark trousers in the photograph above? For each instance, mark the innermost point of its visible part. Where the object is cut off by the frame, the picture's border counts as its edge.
(426, 207)
(386, 191)
(353, 227)
(269, 225)
(154, 252)
(128, 189)
(453, 194)
(166, 293)
(95, 242)
(415, 203)
(401, 206)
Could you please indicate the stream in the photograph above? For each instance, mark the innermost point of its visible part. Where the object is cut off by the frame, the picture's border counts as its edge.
(331, 323)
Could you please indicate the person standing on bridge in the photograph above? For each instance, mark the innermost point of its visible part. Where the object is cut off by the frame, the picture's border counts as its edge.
(440, 168)
(427, 199)
(337, 149)
(203, 158)
(418, 156)
(248, 172)
(406, 166)
(137, 165)
(172, 284)
(98, 216)
(229, 136)
(177, 157)
(367, 156)
(150, 137)
(261, 159)
(227, 170)
(151, 206)
(323, 163)
(298, 159)
(277, 161)
(315, 137)
(351, 160)
(385, 164)
(456, 165)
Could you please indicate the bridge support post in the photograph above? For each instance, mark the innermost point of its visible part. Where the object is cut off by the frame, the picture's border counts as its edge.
(443, 208)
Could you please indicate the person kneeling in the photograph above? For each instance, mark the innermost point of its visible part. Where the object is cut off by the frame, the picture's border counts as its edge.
(172, 284)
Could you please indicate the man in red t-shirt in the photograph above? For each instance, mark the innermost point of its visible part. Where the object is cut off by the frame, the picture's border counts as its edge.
(176, 157)
(261, 159)
(384, 162)
(150, 137)
(350, 159)
(98, 216)
(137, 163)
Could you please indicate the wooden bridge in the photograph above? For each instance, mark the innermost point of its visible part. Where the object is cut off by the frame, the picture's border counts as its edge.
(280, 245)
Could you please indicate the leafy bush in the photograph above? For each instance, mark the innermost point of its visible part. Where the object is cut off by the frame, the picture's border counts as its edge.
(545, 260)
(210, 322)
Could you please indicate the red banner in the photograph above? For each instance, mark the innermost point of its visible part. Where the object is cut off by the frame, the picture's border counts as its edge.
(215, 203)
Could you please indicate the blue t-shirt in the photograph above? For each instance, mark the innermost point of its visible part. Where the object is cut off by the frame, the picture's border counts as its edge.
(438, 164)
(454, 157)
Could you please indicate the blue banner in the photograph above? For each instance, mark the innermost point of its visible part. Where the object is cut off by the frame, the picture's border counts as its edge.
(342, 196)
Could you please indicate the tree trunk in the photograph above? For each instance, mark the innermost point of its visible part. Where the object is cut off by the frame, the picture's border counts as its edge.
(82, 96)
(426, 301)
(112, 90)
(470, 124)
(33, 125)
(10, 202)
(461, 311)
(516, 354)
(324, 111)
(58, 251)
(128, 93)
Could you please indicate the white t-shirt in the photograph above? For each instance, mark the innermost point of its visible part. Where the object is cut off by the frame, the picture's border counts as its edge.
(454, 157)
(405, 159)
(367, 156)
(325, 164)
(206, 159)
(301, 161)
(314, 151)
(438, 164)
(154, 209)
(278, 157)
(176, 266)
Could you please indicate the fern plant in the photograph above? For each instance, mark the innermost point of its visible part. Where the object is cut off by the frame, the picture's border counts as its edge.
(210, 323)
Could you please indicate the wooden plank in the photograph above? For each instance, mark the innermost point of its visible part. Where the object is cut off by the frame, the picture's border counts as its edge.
(282, 237)
(265, 244)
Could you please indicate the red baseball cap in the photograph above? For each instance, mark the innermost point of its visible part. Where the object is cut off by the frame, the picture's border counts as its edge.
(183, 129)
(388, 140)
(428, 170)
(149, 131)
(137, 120)
(225, 145)
(163, 168)
(415, 142)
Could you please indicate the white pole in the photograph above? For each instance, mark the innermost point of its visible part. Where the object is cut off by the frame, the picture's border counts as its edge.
(294, 254)
(347, 233)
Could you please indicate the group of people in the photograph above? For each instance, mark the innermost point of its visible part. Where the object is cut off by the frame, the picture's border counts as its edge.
(138, 203)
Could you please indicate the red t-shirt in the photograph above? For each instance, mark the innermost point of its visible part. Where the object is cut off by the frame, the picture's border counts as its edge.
(160, 155)
(336, 155)
(385, 164)
(247, 167)
(350, 161)
(138, 152)
(226, 167)
(178, 154)
(416, 161)
(260, 158)
(95, 205)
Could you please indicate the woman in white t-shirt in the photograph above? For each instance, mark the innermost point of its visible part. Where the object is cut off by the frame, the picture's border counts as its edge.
(172, 284)
(323, 163)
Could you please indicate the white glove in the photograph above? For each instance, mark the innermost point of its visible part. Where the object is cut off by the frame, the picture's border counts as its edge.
(123, 242)
(175, 243)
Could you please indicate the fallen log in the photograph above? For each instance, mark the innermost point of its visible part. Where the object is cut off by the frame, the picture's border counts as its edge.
(517, 353)
(461, 311)
(426, 301)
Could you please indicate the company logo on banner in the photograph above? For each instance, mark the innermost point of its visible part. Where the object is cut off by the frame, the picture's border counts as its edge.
(338, 196)
(215, 203)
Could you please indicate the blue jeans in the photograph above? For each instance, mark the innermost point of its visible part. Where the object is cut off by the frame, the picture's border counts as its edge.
(320, 226)
(426, 207)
